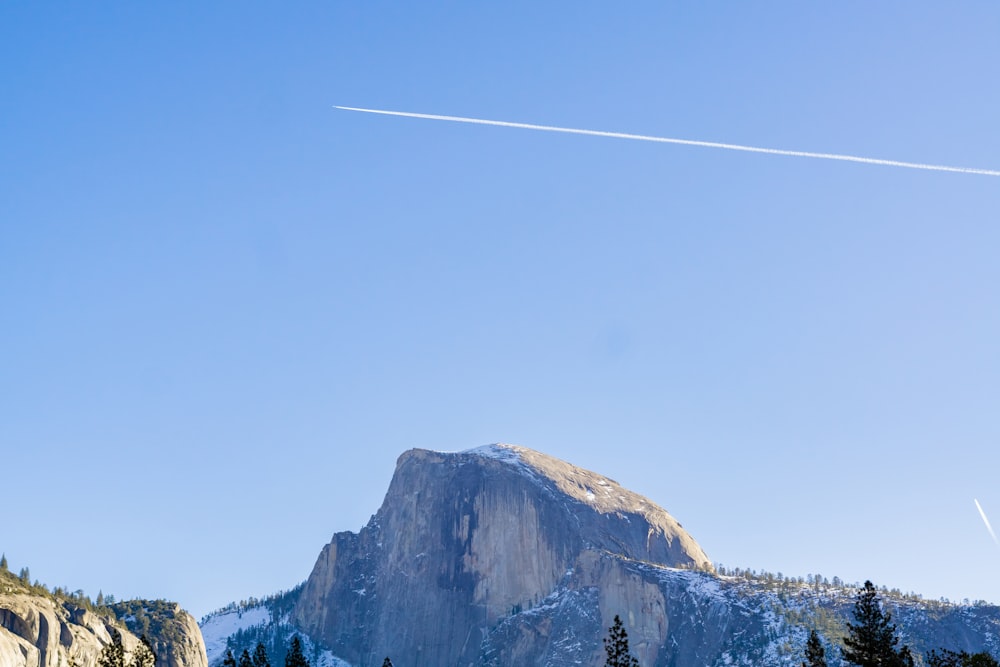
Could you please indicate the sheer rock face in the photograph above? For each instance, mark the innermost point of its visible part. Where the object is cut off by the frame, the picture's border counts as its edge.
(36, 631)
(466, 542)
(186, 648)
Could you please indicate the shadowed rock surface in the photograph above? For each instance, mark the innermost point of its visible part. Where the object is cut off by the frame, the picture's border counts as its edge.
(465, 541)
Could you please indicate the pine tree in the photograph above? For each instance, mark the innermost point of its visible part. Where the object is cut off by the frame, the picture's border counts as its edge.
(143, 655)
(387, 662)
(948, 658)
(295, 658)
(3, 563)
(616, 646)
(815, 654)
(871, 641)
(112, 655)
(245, 659)
(229, 660)
(260, 658)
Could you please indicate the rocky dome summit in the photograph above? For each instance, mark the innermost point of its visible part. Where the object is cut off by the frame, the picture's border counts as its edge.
(475, 538)
(602, 494)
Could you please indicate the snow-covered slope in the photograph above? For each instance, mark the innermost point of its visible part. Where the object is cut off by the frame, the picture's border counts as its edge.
(240, 627)
(217, 628)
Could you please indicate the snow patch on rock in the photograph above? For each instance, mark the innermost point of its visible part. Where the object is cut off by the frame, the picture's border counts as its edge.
(218, 628)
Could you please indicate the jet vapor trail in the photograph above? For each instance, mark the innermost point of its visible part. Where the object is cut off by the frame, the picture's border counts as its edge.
(684, 142)
(986, 521)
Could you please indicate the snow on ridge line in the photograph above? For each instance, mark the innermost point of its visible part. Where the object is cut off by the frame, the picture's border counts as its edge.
(512, 455)
(601, 493)
(220, 627)
(500, 451)
(576, 482)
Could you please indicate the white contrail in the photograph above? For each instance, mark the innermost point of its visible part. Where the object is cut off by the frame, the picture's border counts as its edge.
(685, 142)
(986, 521)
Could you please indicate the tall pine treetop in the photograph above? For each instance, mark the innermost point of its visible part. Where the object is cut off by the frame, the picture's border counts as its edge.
(143, 655)
(871, 640)
(260, 658)
(295, 657)
(616, 646)
(815, 653)
(113, 655)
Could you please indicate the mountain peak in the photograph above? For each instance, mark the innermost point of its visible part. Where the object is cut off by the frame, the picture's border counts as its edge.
(600, 493)
(502, 451)
(471, 538)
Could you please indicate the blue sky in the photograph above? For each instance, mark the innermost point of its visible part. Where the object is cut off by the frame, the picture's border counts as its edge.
(228, 307)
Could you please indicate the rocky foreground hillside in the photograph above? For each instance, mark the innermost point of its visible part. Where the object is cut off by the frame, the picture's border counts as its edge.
(38, 629)
(505, 556)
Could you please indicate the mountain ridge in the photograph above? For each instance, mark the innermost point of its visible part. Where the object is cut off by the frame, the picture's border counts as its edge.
(39, 628)
(501, 555)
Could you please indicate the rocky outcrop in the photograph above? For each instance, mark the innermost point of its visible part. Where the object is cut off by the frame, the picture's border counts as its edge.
(174, 634)
(465, 545)
(36, 630)
(187, 649)
(43, 631)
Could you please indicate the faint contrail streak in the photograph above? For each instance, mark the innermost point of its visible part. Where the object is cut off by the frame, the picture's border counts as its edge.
(684, 142)
(986, 521)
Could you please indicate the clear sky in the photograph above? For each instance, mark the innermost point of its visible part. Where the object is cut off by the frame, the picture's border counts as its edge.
(226, 308)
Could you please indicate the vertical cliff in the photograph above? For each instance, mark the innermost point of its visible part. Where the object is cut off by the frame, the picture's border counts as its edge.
(465, 541)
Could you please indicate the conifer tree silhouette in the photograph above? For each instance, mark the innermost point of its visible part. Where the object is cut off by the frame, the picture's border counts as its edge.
(871, 640)
(260, 658)
(295, 657)
(815, 654)
(616, 646)
(113, 655)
